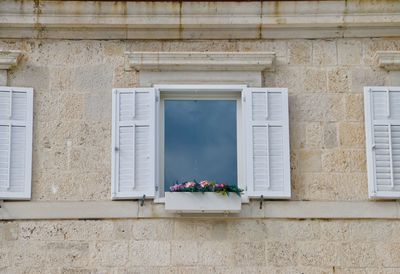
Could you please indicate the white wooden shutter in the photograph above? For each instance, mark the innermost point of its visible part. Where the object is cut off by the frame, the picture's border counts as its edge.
(382, 123)
(16, 112)
(133, 143)
(267, 142)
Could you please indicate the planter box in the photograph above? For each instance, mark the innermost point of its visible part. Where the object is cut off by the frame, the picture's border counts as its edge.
(197, 202)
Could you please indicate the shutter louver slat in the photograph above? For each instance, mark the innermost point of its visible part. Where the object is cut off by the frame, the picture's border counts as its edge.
(17, 166)
(395, 105)
(19, 106)
(382, 111)
(15, 142)
(133, 143)
(260, 158)
(396, 155)
(276, 158)
(126, 166)
(382, 156)
(267, 143)
(4, 105)
(4, 157)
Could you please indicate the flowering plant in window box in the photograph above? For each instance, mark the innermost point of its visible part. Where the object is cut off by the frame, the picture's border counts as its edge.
(206, 186)
(203, 197)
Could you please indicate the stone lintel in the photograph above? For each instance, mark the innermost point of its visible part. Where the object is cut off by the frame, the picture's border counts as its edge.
(200, 67)
(201, 61)
(389, 60)
(9, 58)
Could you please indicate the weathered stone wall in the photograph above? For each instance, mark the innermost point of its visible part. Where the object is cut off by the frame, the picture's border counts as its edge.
(72, 81)
(195, 246)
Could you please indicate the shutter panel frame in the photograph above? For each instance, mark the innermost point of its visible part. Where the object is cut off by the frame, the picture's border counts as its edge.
(371, 125)
(135, 123)
(18, 123)
(271, 121)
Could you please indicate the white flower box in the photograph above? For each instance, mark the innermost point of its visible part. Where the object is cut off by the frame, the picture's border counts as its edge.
(198, 202)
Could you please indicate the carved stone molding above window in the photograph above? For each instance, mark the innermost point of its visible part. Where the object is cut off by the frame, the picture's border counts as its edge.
(200, 67)
(8, 59)
(390, 61)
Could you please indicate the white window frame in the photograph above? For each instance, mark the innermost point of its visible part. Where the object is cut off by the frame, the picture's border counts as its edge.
(203, 92)
(368, 109)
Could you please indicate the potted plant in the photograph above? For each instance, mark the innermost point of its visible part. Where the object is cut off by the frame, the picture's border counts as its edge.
(203, 197)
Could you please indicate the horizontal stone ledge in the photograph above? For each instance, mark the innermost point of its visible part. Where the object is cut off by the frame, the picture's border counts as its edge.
(198, 20)
(14, 210)
(201, 61)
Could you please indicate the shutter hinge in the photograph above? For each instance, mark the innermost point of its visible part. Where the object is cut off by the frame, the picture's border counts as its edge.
(373, 147)
(244, 98)
(116, 149)
(156, 188)
(157, 98)
(142, 200)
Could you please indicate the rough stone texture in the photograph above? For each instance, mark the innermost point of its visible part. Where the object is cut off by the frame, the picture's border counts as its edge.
(72, 81)
(250, 246)
(310, 160)
(352, 135)
(324, 52)
(338, 80)
(349, 52)
(299, 52)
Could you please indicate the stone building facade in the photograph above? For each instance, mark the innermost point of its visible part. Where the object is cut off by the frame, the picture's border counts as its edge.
(326, 53)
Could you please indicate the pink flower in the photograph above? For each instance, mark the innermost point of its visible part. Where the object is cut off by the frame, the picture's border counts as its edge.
(190, 184)
(204, 183)
(175, 187)
(219, 185)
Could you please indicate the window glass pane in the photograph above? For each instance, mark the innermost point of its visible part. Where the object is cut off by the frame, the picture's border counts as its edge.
(200, 141)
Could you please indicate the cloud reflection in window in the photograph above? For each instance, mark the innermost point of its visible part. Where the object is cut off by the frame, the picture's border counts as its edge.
(200, 141)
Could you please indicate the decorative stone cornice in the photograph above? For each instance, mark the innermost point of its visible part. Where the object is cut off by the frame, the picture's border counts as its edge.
(9, 58)
(389, 60)
(198, 19)
(201, 61)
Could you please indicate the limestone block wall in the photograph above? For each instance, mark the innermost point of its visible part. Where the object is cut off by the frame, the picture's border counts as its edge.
(200, 246)
(72, 81)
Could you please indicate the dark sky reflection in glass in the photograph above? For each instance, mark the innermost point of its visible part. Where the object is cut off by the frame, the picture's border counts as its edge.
(200, 141)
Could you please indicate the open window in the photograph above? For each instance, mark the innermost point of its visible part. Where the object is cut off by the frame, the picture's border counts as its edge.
(170, 133)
